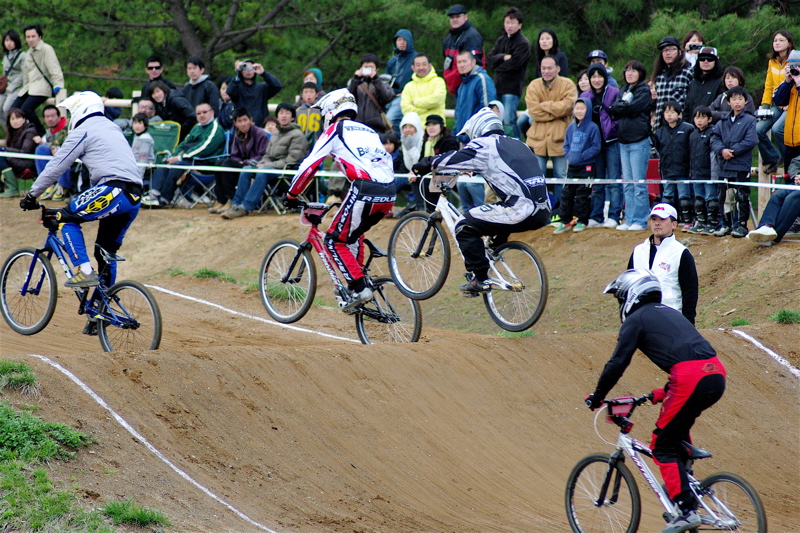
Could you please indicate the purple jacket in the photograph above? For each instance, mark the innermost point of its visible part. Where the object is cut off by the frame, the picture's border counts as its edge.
(251, 150)
(609, 126)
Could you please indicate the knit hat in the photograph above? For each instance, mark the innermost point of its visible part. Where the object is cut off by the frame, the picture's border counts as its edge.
(794, 58)
(668, 41)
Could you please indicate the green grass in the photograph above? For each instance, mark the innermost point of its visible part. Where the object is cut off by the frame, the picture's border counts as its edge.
(526, 333)
(786, 316)
(739, 322)
(128, 512)
(28, 499)
(207, 273)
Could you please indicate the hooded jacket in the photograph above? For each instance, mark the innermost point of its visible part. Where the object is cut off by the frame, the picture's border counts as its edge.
(720, 108)
(476, 91)
(255, 96)
(738, 134)
(399, 66)
(464, 37)
(202, 91)
(703, 89)
(509, 76)
(601, 104)
(632, 108)
(412, 144)
(551, 110)
(672, 145)
(582, 142)
(424, 96)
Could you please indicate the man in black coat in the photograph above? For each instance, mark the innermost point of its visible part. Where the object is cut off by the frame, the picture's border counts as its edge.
(245, 91)
(509, 59)
(462, 37)
(200, 88)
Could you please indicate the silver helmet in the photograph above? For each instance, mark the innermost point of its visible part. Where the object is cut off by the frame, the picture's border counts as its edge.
(634, 287)
(482, 122)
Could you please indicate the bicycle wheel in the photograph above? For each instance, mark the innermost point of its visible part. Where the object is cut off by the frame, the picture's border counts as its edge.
(30, 312)
(519, 308)
(287, 294)
(621, 508)
(735, 501)
(131, 320)
(419, 277)
(389, 317)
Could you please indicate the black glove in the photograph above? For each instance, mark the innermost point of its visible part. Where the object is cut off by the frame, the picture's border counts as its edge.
(290, 202)
(420, 169)
(593, 403)
(28, 203)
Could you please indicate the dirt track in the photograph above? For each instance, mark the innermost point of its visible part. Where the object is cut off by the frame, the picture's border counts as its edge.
(460, 432)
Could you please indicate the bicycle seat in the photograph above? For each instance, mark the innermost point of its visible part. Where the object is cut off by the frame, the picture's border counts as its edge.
(695, 452)
(108, 256)
(374, 250)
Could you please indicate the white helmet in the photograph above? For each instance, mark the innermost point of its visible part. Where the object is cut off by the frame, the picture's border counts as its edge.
(481, 123)
(82, 104)
(634, 287)
(335, 103)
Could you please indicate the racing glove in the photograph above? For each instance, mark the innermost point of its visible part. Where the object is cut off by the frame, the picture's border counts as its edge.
(593, 402)
(28, 203)
(290, 201)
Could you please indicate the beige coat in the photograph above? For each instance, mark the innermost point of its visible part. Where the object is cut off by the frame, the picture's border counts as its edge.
(32, 81)
(551, 111)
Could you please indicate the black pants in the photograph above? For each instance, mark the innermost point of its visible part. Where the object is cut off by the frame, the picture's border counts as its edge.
(742, 196)
(225, 183)
(575, 201)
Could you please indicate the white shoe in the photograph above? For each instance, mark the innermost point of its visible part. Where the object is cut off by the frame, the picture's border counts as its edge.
(593, 224)
(610, 223)
(622, 227)
(358, 298)
(635, 227)
(762, 234)
(765, 243)
(685, 522)
(183, 202)
(151, 200)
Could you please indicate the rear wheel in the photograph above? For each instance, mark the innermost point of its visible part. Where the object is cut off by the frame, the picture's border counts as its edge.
(288, 281)
(389, 317)
(131, 322)
(518, 308)
(419, 275)
(734, 500)
(28, 291)
(620, 509)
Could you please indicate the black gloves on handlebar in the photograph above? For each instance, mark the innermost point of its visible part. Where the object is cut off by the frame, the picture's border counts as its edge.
(28, 203)
(593, 402)
(290, 202)
(421, 168)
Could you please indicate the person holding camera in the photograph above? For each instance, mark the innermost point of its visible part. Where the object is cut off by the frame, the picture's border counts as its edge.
(372, 94)
(787, 95)
(246, 91)
(770, 115)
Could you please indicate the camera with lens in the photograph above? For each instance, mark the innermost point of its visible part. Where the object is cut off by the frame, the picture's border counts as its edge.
(764, 113)
(247, 64)
(695, 46)
(794, 71)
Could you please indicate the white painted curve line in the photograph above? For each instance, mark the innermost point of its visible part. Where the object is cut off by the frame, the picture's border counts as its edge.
(252, 317)
(772, 354)
(145, 442)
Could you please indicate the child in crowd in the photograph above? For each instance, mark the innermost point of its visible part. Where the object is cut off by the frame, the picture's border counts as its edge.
(143, 144)
(706, 204)
(582, 144)
(271, 125)
(307, 117)
(499, 109)
(733, 140)
(671, 141)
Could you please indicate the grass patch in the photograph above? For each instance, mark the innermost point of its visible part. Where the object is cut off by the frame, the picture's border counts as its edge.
(786, 316)
(177, 272)
(207, 273)
(28, 438)
(129, 513)
(16, 375)
(512, 334)
(739, 322)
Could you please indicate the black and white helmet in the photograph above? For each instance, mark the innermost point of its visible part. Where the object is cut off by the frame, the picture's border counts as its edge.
(632, 288)
(482, 122)
(334, 103)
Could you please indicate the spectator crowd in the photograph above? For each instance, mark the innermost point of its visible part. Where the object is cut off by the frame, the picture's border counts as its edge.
(689, 121)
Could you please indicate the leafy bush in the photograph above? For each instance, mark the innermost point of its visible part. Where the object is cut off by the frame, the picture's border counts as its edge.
(29, 438)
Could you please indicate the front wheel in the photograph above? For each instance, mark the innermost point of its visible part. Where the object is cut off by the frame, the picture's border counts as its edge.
(735, 502)
(28, 291)
(520, 300)
(389, 316)
(131, 320)
(419, 256)
(288, 281)
(620, 509)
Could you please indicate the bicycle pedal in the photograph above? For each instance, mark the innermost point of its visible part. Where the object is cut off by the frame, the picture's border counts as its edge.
(470, 294)
(90, 328)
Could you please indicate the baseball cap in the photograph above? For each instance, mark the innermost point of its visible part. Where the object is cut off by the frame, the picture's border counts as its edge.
(434, 119)
(597, 53)
(668, 41)
(664, 211)
(708, 52)
(457, 9)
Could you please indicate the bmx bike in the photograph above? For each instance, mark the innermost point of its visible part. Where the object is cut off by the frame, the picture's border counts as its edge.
(602, 495)
(419, 262)
(125, 316)
(288, 285)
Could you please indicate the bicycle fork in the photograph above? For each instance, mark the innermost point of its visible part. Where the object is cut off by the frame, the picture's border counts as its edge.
(615, 458)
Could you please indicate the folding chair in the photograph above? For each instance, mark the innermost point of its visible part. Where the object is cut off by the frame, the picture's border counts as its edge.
(199, 184)
(165, 139)
(273, 194)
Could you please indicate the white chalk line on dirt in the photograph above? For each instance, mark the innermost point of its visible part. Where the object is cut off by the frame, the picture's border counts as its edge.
(237, 313)
(145, 442)
(769, 352)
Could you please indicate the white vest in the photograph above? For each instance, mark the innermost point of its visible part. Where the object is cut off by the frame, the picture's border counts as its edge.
(665, 267)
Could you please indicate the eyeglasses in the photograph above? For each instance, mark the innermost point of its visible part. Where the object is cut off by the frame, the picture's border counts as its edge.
(146, 107)
(155, 68)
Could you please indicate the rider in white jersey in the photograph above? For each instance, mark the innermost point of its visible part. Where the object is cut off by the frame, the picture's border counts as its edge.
(360, 154)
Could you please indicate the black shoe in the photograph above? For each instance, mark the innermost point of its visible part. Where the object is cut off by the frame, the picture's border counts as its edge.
(739, 232)
(722, 231)
(473, 287)
(90, 328)
(772, 167)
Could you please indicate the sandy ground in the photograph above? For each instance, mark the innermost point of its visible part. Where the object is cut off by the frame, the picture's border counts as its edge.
(464, 431)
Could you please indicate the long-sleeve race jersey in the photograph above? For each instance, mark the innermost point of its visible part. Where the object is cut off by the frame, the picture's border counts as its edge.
(356, 148)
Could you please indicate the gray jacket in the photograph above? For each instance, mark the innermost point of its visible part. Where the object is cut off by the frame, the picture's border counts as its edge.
(102, 148)
(15, 75)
